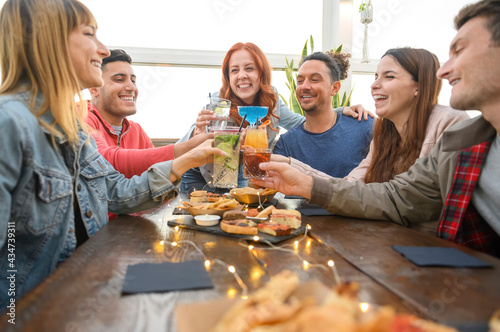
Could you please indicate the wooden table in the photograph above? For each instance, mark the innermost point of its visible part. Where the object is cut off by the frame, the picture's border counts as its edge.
(84, 294)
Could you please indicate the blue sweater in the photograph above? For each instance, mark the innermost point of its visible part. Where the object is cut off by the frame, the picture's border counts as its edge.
(335, 152)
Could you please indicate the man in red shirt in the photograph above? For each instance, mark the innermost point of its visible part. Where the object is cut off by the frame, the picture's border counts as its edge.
(123, 142)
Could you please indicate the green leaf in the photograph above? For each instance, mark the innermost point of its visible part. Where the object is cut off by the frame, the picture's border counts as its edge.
(349, 98)
(295, 106)
(344, 99)
(289, 75)
(339, 49)
(335, 101)
(304, 52)
(311, 43)
(283, 99)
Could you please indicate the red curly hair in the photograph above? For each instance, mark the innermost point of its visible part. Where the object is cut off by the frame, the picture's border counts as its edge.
(266, 95)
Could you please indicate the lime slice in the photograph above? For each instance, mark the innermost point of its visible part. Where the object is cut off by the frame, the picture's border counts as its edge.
(218, 111)
(226, 147)
(231, 163)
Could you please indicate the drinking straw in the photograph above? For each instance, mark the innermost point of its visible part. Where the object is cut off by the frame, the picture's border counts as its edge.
(239, 131)
(265, 124)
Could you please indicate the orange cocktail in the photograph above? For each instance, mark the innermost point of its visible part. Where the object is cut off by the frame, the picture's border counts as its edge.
(256, 137)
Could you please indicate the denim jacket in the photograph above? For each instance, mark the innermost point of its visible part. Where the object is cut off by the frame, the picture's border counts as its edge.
(40, 184)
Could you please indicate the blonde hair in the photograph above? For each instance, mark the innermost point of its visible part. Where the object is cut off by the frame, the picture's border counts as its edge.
(34, 57)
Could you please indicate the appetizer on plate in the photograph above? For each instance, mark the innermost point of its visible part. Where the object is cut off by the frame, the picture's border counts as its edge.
(314, 307)
(250, 195)
(236, 222)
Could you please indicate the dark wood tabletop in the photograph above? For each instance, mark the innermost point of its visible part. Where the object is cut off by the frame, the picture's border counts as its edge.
(84, 293)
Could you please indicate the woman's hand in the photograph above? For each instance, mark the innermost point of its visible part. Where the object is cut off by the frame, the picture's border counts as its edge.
(203, 120)
(200, 155)
(286, 179)
(203, 154)
(183, 147)
(357, 111)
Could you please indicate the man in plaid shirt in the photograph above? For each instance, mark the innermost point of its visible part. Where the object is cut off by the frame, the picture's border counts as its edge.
(458, 184)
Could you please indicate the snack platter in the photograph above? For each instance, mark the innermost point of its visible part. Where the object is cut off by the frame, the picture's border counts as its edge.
(252, 196)
(187, 221)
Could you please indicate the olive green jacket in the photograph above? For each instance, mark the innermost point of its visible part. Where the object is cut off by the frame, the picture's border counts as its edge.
(413, 197)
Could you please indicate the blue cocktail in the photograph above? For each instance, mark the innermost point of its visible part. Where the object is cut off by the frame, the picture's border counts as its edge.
(253, 113)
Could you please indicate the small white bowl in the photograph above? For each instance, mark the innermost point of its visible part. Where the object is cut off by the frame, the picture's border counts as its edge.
(207, 219)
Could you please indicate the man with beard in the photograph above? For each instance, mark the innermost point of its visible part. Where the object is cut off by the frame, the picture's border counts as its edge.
(458, 183)
(327, 141)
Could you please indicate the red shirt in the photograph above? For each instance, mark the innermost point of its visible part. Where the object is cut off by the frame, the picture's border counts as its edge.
(132, 152)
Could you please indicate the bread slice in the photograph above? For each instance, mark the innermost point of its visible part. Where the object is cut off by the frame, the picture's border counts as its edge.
(234, 215)
(213, 197)
(198, 196)
(291, 218)
(239, 226)
(274, 229)
(266, 212)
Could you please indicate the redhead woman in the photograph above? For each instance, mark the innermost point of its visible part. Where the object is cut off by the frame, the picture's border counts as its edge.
(246, 81)
(55, 187)
(409, 122)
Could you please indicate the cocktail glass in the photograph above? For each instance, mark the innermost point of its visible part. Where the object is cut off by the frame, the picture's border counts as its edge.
(253, 113)
(251, 160)
(226, 168)
(256, 138)
(221, 108)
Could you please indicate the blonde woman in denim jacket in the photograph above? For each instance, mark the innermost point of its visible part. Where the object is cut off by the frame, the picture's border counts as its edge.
(55, 187)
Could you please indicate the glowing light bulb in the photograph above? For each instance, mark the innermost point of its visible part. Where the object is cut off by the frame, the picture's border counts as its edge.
(162, 242)
(256, 238)
(364, 306)
(306, 265)
(250, 247)
(309, 227)
(231, 293)
(176, 228)
(174, 244)
(207, 263)
(244, 297)
(231, 269)
(296, 243)
(308, 244)
(331, 263)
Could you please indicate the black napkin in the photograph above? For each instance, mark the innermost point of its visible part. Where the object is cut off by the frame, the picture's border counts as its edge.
(313, 210)
(471, 326)
(294, 197)
(164, 277)
(437, 256)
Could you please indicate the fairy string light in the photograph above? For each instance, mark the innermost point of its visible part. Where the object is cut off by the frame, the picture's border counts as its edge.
(289, 248)
(208, 263)
(305, 263)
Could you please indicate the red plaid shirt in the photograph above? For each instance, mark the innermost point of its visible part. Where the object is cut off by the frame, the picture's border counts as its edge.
(460, 221)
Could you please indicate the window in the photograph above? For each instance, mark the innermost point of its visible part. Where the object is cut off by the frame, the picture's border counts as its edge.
(178, 46)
